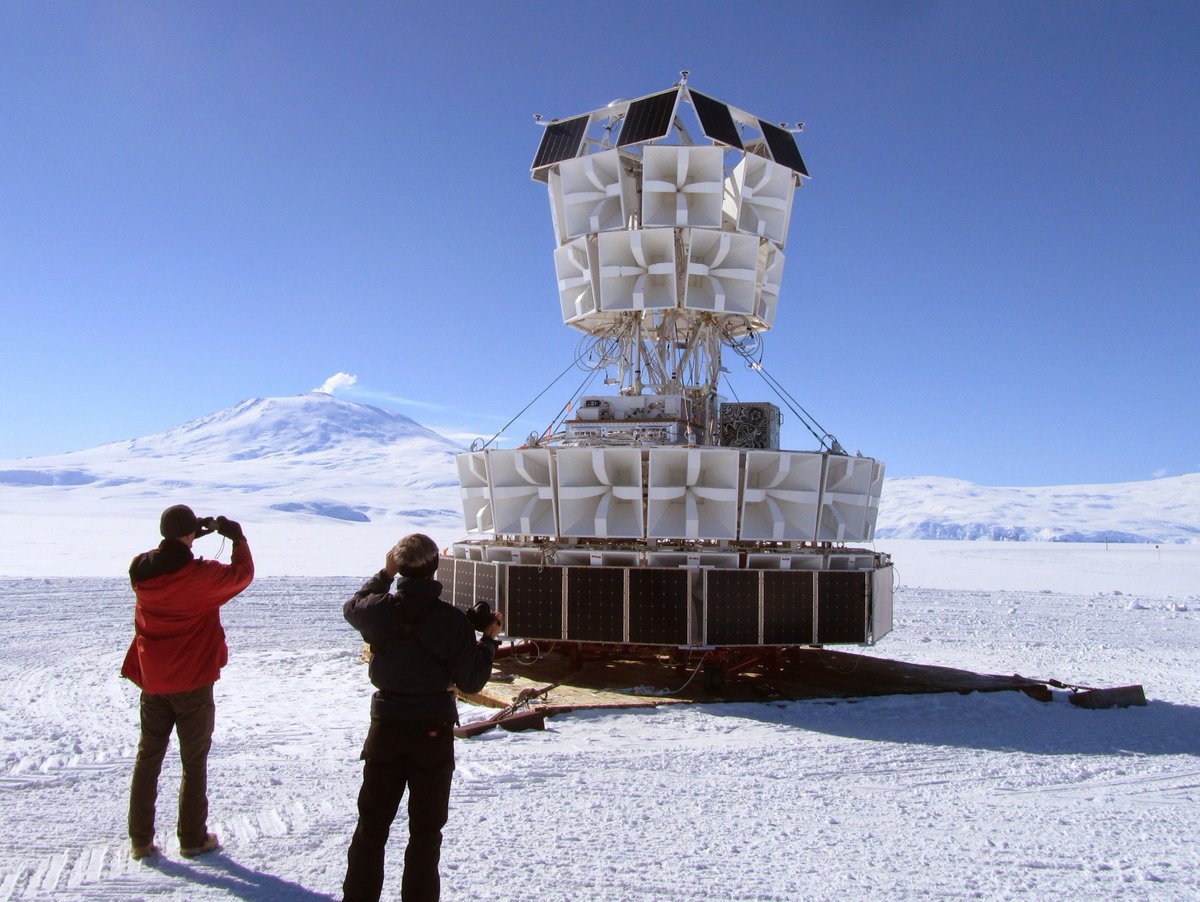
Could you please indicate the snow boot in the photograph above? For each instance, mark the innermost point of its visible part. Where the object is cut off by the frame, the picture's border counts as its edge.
(147, 851)
(210, 844)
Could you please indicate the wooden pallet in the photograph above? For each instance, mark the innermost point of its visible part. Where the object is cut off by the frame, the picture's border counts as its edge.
(810, 673)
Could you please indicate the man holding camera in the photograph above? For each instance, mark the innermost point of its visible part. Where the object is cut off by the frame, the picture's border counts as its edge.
(422, 648)
(177, 653)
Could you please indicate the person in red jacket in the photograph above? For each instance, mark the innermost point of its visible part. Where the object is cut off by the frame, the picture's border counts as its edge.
(177, 653)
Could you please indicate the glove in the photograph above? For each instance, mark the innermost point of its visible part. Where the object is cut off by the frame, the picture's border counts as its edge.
(230, 529)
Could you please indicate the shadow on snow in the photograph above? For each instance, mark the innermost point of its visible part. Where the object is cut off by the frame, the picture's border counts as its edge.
(221, 872)
(994, 721)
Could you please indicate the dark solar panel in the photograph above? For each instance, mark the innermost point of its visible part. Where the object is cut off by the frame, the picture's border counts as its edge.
(841, 607)
(445, 575)
(788, 607)
(658, 606)
(596, 604)
(486, 583)
(560, 141)
(783, 147)
(648, 118)
(716, 120)
(731, 607)
(466, 582)
(534, 602)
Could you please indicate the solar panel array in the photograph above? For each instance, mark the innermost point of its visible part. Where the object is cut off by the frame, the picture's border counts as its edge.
(650, 605)
(716, 120)
(648, 118)
(782, 144)
(561, 141)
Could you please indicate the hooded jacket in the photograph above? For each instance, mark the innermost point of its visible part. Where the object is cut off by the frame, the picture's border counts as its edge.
(421, 648)
(178, 643)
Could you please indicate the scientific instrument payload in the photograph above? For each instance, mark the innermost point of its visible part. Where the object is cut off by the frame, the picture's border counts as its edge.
(662, 515)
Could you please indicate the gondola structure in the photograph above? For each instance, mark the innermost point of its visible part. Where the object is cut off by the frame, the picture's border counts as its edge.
(663, 518)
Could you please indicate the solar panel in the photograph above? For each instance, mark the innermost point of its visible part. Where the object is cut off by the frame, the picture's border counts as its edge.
(716, 120)
(648, 118)
(658, 606)
(561, 141)
(461, 580)
(841, 607)
(486, 583)
(788, 607)
(534, 602)
(731, 607)
(783, 147)
(466, 582)
(596, 604)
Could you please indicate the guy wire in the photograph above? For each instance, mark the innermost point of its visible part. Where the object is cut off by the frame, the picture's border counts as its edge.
(563, 410)
(527, 406)
(793, 405)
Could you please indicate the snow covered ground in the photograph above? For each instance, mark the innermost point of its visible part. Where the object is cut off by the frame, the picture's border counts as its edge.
(991, 796)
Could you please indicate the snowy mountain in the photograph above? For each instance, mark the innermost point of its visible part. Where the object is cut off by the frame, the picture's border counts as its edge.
(281, 446)
(1156, 511)
(290, 469)
(294, 468)
(310, 424)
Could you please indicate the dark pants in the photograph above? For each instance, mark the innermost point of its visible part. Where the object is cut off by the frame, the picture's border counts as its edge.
(419, 755)
(192, 715)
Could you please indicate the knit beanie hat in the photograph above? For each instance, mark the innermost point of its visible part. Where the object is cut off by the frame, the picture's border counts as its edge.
(177, 521)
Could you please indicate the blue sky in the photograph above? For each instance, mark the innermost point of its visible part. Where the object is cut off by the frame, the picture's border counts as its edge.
(993, 273)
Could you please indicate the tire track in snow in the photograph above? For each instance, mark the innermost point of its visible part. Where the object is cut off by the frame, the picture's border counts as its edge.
(1167, 789)
(107, 871)
(52, 770)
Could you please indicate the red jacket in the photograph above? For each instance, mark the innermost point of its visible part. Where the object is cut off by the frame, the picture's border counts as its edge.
(178, 643)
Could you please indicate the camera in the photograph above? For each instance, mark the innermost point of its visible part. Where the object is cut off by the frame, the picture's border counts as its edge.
(481, 616)
(205, 525)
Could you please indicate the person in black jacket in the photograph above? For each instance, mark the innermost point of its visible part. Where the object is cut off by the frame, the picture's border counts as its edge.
(422, 649)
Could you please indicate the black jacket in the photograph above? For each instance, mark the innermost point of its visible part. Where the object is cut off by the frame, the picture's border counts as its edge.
(422, 648)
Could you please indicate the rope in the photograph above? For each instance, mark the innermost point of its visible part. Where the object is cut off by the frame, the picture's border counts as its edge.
(526, 407)
(604, 359)
(732, 390)
(524, 698)
(790, 402)
(795, 407)
(562, 413)
(1058, 684)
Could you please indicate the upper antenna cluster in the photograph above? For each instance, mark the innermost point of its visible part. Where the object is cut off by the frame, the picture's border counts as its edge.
(674, 207)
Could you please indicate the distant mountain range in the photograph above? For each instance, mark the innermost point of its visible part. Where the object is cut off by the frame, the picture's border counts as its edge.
(1157, 511)
(313, 458)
